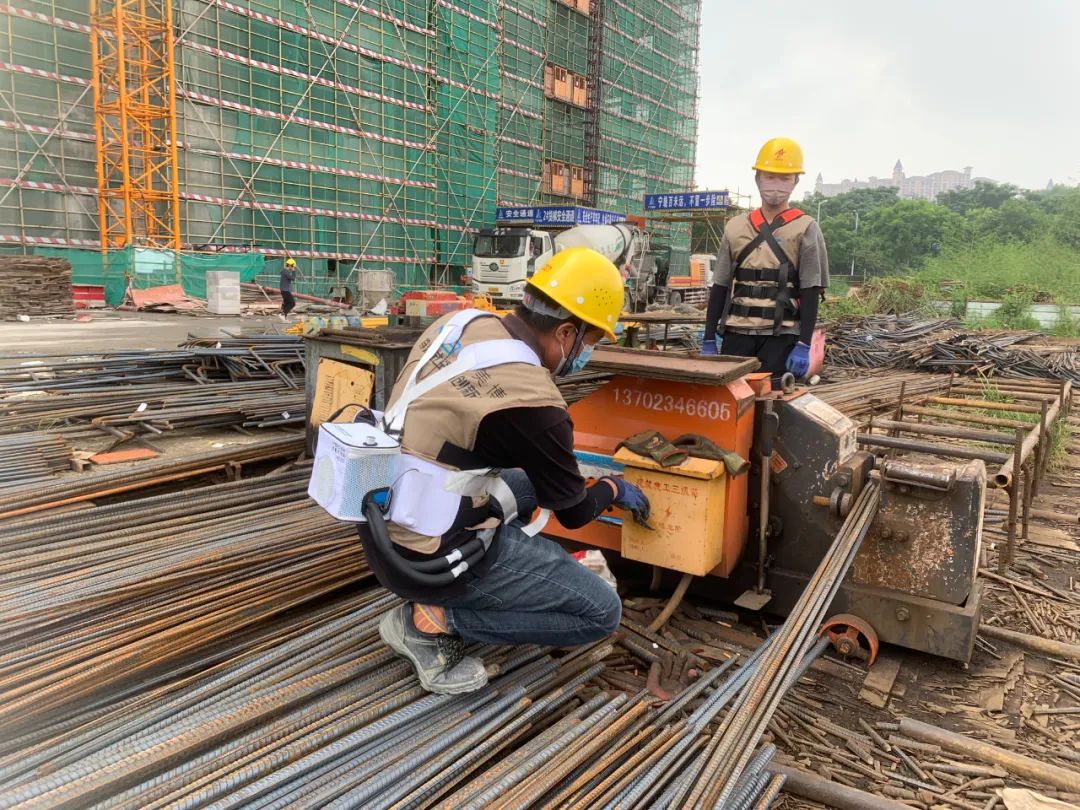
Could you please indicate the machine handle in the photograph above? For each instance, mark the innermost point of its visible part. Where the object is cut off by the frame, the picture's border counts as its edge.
(770, 424)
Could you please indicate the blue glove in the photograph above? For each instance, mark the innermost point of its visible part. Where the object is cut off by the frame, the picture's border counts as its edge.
(631, 499)
(798, 362)
(711, 347)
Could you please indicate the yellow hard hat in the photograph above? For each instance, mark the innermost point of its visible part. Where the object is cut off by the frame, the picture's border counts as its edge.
(584, 283)
(290, 262)
(780, 156)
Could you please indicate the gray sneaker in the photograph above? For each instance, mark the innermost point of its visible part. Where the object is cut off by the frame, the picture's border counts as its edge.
(440, 661)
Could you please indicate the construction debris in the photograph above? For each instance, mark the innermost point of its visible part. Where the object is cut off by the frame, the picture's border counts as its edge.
(943, 344)
(35, 286)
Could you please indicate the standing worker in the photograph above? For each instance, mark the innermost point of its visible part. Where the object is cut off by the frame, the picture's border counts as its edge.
(479, 448)
(770, 273)
(288, 275)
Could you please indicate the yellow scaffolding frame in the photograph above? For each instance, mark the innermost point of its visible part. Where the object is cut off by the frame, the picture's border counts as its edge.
(135, 123)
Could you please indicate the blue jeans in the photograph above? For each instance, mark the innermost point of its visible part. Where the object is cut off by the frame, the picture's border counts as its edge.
(535, 593)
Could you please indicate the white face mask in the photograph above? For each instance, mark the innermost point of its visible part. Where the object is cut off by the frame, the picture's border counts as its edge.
(775, 190)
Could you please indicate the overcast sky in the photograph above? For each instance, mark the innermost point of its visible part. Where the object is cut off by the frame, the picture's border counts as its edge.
(940, 84)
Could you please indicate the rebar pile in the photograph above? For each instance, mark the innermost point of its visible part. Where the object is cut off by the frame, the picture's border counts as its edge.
(869, 392)
(885, 341)
(218, 647)
(94, 602)
(199, 360)
(942, 344)
(35, 286)
(32, 457)
(155, 407)
(28, 498)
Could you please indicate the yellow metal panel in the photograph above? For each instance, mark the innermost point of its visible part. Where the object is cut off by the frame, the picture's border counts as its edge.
(687, 513)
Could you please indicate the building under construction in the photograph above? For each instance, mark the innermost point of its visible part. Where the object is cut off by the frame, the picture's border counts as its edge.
(354, 135)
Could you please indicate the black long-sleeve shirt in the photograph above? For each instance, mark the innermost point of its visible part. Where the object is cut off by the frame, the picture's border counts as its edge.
(540, 441)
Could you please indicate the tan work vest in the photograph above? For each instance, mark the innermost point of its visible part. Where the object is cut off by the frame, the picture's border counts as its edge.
(451, 413)
(757, 292)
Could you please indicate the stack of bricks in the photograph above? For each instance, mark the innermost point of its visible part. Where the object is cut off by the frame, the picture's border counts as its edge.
(35, 286)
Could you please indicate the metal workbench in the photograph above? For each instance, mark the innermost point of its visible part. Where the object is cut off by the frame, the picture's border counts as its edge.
(382, 351)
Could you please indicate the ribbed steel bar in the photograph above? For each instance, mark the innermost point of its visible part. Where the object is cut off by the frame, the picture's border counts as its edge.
(747, 720)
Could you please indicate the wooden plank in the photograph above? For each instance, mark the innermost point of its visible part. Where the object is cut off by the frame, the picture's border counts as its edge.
(1049, 536)
(879, 681)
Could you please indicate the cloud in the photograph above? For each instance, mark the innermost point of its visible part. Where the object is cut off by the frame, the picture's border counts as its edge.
(939, 85)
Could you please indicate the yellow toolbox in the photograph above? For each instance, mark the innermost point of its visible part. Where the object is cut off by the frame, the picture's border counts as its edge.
(687, 516)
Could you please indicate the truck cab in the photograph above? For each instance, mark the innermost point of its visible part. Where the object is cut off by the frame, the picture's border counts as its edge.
(503, 258)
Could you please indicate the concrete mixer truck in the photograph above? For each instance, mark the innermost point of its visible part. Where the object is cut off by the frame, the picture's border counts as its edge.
(503, 258)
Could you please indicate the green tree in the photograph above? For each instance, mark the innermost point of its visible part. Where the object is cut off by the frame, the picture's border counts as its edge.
(1053, 201)
(908, 231)
(1066, 227)
(983, 194)
(1021, 220)
(863, 200)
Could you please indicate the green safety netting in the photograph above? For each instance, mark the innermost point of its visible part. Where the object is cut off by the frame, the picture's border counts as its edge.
(141, 268)
(381, 154)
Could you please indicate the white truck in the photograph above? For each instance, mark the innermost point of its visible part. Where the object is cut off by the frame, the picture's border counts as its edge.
(503, 258)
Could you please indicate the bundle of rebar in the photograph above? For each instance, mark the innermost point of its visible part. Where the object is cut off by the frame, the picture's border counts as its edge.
(32, 458)
(885, 341)
(870, 392)
(718, 769)
(200, 360)
(155, 407)
(94, 602)
(35, 286)
(218, 647)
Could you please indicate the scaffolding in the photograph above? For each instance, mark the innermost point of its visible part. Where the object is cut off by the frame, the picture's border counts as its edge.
(353, 136)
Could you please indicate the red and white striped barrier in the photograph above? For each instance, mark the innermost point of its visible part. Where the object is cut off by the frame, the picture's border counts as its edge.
(524, 15)
(307, 32)
(49, 240)
(44, 74)
(516, 142)
(465, 13)
(60, 133)
(284, 71)
(37, 16)
(296, 119)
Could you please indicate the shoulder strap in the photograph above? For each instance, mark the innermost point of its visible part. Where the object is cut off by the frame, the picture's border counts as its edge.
(449, 332)
(751, 246)
(476, 356)
(766, 233)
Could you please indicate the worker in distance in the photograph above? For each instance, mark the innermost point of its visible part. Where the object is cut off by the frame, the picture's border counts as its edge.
(770, 273)
(482, 449)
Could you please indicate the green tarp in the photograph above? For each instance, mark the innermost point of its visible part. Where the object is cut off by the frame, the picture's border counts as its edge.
(151, 268)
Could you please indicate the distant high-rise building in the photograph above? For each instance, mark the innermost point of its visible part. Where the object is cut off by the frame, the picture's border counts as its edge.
(925, 187)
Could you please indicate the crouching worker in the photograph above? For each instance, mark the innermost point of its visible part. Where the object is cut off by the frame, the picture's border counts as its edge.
(485, 439)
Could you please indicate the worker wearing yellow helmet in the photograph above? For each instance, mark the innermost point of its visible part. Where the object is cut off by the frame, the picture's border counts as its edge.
(770, 272)
(285, 282)
(485, 440)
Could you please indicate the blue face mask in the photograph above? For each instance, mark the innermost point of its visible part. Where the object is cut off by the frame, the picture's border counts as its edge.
(581, 360)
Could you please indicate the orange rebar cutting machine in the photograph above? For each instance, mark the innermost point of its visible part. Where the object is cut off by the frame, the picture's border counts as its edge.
(913, 581)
